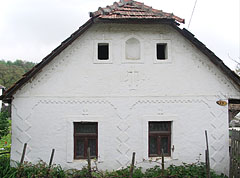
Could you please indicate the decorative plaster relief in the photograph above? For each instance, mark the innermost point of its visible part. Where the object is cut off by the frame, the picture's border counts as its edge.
(22, 128)
(123, 112)
(200, 62)
(133, 78)
(134, 28)
(133, 49)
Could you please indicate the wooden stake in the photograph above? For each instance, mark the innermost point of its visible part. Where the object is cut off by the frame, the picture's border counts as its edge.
(132, 165)
(21, 161)
(162, 162)
(23, 153)
(51, 158)
(207, 157)
(89, 163)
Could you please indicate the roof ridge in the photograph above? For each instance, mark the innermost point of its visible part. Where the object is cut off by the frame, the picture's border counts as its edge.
(150, 13)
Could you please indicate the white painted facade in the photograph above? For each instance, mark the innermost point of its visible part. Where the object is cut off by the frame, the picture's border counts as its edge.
(123, 95)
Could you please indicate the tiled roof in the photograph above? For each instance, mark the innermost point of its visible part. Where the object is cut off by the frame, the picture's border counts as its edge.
(129, 9)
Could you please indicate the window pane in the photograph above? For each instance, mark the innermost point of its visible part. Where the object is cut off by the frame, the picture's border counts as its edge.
(164, 144)
(92, 143)
(103, 51)
(161, 51)
(159, 126)
(79, 147)
(85, 127)
(153, 145)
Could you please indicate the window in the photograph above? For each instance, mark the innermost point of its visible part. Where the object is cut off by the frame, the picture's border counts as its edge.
(159, 138)
(162, 51)
(85, 135)
(103, 51)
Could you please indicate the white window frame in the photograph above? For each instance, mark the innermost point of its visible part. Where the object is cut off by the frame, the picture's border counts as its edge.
(70, 136)
(168, 50)
(95, 50)
(145, 137)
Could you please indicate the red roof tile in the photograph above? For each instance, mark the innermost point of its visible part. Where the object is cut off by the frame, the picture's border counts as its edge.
(129, 9)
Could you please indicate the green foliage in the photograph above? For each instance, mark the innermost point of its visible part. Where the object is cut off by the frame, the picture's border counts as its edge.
(41, 170)
(4, 123)
(10, 72)
(5, 143)
(6, 171)
(195, 170)
(125, 172)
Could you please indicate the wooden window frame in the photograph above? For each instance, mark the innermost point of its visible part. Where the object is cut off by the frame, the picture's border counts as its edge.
(85, 137)
(160, 135)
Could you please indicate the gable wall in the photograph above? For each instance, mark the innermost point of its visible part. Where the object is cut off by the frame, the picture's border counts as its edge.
(74, 73)
(123, 97)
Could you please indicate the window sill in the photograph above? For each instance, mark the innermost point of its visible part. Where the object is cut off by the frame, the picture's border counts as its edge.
(97, 61)
(155, 159)
(164, 61)
(84, 160)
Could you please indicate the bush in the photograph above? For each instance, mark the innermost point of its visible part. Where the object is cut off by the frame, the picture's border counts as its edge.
(4, 124)
(41, 170)
(6, 171)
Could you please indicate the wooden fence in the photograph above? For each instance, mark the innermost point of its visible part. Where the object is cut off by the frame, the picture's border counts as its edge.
(235, 155)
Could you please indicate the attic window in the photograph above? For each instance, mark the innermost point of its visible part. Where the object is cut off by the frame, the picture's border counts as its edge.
(103, 51)
(162, 51)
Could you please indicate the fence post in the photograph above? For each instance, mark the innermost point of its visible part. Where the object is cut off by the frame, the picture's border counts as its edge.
(162, 163)
(235, 154)
(51, 158)
(19, 174)
(207, 157)
(23, 153)
(232, 154)
(132, 165)
(89, 163)
(50, 163)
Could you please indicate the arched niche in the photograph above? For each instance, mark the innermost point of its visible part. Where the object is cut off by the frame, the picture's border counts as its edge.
(132, 49)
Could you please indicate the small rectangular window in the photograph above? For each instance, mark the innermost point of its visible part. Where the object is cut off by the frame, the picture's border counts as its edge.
(85, 135)
(159, 138)
(161, 51)
(103, 51)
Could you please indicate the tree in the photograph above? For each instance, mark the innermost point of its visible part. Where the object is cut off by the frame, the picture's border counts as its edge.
(4, 124)
(237, 70)
(10, 72)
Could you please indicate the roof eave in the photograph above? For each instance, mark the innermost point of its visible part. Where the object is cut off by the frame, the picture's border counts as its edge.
(136, 20)
(214, 59)
(7, 95)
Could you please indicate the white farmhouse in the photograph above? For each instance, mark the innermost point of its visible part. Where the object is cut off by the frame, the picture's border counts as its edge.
(134, 81)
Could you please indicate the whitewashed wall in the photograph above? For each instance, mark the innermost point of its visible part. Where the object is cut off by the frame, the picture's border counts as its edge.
(122, 96)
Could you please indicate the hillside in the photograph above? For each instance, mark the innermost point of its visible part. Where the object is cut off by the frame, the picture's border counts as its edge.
(10, 71)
